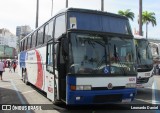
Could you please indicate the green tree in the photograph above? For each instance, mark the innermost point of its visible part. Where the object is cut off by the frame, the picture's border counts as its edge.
(127, 13)
(148, 17)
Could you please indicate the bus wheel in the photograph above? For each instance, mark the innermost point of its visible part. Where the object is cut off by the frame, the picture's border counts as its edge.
(25, 77)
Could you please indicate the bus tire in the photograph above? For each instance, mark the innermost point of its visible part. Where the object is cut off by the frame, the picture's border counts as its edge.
(25, 77)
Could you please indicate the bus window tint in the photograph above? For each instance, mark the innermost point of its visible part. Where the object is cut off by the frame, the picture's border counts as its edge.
(34, 39)
(25, 46)
(29, 42)
(50, 58)
(48, 31)
(60, 26)
(40, 37)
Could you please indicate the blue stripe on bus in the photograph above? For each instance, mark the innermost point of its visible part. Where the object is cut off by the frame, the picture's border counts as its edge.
(22, 59)
(71, 80)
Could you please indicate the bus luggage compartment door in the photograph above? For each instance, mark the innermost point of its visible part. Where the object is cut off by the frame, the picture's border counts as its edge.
(50, 86)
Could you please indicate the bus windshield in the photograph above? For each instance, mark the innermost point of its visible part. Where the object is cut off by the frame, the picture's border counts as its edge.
(144, 55)
(101, 54)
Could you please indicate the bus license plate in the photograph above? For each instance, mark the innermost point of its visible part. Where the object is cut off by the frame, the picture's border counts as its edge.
(126, 100)
(147, 74)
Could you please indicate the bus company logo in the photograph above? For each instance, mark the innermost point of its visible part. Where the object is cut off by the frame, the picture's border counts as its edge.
(110, 86)
(132, 79)
(6, 107)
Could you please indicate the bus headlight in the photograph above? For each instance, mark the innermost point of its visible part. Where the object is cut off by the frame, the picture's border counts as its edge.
(87, 87)
(131, 85)
(81, 87)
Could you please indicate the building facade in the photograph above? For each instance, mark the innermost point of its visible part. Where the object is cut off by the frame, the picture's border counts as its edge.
(7, 38)
(22, 31)
(8, 44)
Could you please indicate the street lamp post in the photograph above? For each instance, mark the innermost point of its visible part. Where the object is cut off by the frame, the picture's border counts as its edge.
(37, 12)
(52, 8)
(102, 5)
(140, 17)
(66, 3)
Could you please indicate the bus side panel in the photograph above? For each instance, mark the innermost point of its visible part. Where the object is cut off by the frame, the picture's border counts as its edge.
(35, 65)
(99, 93)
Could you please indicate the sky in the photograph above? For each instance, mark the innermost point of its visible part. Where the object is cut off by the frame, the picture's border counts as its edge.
(15, 13)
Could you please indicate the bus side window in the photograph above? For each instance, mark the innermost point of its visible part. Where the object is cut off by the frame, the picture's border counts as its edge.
(29, 42)
(50, 57)
(20, 47)
(48, 31)
(60, 26)
(34, 39)
(40, 36)
(25, 47)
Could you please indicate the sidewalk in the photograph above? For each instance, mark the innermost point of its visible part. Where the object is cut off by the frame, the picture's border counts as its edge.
(9, 76)
(8, 94)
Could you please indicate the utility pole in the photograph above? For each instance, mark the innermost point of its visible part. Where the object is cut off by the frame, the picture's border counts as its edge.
(37, 12)
(66, 3)
(102, 5)
(52, 8)
(140, 17)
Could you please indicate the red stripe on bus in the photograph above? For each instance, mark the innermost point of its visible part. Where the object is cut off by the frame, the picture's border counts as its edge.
(39, 82)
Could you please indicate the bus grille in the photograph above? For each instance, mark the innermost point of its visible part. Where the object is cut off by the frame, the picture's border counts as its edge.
(107, 98)
(142, 80)
(105, 88)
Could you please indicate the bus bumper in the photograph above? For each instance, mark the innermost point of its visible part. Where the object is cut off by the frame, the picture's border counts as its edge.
(100, 97)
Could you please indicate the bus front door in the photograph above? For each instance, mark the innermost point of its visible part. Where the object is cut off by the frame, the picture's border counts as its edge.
(50, 76)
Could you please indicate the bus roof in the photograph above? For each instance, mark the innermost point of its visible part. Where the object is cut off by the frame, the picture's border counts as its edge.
(91, 11)
(79, 10)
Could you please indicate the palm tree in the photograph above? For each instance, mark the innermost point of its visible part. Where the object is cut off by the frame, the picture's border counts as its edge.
(148, 17)
(127, 13)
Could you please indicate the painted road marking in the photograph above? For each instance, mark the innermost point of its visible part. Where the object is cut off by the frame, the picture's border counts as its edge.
(19, 95)
(10, 85)
(155, 98)
(28, 91)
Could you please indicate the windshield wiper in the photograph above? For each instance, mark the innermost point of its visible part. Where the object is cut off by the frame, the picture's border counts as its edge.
(105, 55)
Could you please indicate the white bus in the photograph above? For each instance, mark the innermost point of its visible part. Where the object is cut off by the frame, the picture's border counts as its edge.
(144, 62)
(79, 57)
(155, 48)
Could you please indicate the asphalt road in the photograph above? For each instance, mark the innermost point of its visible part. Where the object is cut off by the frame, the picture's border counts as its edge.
(14, 91)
